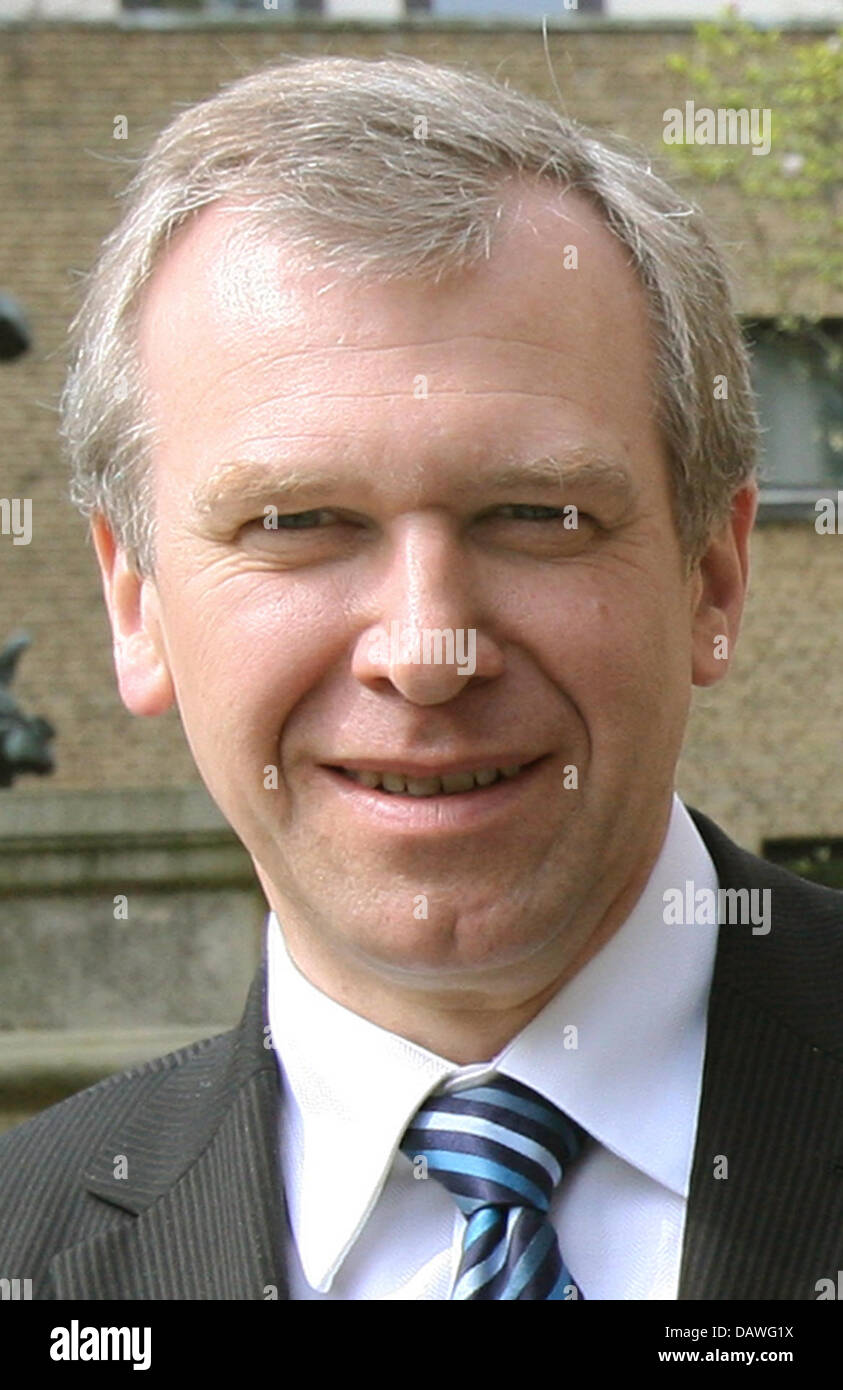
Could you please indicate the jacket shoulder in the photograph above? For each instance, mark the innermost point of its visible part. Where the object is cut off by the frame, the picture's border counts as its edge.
(44, 1162)
(791, 965)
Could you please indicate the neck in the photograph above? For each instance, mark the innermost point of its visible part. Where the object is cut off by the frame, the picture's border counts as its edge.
(463, 1025)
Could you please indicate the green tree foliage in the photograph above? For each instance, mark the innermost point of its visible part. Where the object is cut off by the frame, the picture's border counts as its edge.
(793, 196)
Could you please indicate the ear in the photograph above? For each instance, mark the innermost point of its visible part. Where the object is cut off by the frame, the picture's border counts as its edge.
(140, 659)
(720, 586)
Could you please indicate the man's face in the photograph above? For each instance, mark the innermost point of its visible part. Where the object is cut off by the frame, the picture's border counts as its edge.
(420, 443)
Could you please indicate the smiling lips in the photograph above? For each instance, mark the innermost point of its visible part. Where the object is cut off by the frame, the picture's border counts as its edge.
(448, 784)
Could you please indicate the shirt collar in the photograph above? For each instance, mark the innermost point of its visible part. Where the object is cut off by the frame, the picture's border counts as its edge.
(351, 1089)
(632, 1078)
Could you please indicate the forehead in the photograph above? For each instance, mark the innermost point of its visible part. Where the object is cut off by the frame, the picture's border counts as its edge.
(242, 345)
(246, 281)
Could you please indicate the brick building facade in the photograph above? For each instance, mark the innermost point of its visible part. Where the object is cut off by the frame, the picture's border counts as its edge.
(763, 749)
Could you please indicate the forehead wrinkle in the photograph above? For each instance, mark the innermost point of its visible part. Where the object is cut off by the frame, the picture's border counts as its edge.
(411, 345)
(326, 394)
(401, 395)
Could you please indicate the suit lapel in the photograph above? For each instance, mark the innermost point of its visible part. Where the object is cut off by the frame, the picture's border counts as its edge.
(193, 1169)
(769, 1227)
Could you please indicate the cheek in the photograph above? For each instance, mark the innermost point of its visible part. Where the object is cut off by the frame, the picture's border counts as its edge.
(578, 634)
(245, 650)
(620, 654)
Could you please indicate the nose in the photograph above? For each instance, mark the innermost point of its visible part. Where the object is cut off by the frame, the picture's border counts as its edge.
(427, 641)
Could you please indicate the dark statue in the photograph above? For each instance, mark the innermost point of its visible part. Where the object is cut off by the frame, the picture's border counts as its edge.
(14, 330)
(24, 739)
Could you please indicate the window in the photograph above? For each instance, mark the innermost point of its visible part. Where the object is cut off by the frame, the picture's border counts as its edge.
(798, 377)
(484, 11)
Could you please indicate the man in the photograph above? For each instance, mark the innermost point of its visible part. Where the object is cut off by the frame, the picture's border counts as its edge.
(393, 409)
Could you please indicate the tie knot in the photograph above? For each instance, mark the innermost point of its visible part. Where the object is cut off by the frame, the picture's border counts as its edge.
(496, 1144)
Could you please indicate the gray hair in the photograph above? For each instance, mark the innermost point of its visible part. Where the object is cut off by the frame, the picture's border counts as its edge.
(389, 168)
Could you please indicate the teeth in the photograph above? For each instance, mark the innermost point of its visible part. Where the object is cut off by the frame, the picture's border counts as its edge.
(447, 785)
(458, 782)
(422, 786)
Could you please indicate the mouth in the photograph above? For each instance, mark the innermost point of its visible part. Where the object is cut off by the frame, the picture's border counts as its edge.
(455, 783)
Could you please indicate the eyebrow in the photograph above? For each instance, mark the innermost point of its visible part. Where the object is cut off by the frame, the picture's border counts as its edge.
(245, 483)
(582, 467)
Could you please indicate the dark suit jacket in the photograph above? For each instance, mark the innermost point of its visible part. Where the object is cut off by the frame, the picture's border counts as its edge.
(199, 1212)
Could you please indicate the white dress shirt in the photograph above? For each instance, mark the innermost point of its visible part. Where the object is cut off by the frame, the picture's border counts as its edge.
(363, 1227)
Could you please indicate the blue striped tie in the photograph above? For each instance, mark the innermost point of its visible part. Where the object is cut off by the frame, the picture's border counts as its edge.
(500, 1149)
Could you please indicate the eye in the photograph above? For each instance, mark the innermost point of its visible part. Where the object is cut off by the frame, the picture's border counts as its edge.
(528, 511)
(273, 520)
(569, 517)
(533, 528)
